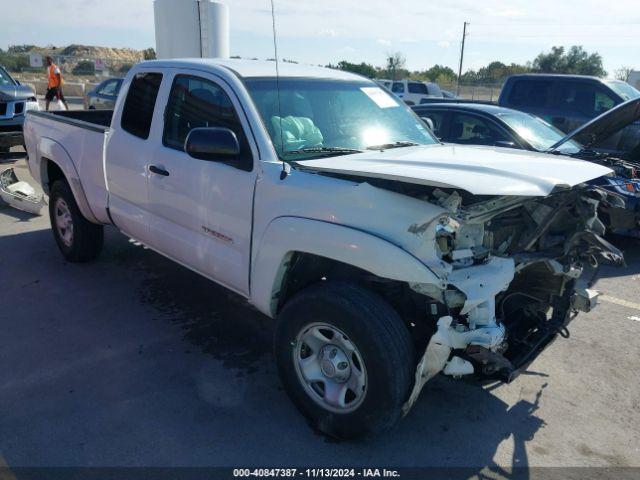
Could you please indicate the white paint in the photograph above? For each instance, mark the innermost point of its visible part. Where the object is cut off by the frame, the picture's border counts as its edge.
(478, 170)
(191, 28)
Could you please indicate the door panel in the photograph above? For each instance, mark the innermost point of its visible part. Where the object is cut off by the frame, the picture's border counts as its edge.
(201, 212)
(128, 150)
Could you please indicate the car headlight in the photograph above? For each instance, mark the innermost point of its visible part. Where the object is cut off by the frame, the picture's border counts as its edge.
(32, 104)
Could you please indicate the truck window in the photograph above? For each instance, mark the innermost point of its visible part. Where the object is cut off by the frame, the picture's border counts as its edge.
(398, 87)
(195, 102)
(417, 87)
(585, 98)
(530, 93)
(139, 104)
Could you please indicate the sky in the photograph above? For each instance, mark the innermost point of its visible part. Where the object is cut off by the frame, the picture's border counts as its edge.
(327, 31)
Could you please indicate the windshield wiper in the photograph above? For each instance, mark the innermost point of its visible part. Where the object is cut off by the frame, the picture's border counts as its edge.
(385, 146)
(328, 150)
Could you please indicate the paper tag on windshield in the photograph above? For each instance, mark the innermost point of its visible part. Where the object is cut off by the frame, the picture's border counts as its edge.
(380, 97)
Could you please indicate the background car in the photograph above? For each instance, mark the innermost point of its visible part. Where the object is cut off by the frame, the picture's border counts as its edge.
(104, 95)
(565, 101)
(485, 124)
(15, 101)
(413, 92)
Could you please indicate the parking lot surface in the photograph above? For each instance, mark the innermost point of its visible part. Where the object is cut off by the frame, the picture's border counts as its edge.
(133, 360)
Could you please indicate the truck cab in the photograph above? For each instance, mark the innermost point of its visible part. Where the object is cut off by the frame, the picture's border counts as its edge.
(565, 101)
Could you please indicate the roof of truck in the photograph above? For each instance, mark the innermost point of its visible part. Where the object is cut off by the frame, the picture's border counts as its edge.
(256, 68)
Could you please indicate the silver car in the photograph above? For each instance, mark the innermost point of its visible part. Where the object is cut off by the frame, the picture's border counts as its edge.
(15, 101)
(104, 95)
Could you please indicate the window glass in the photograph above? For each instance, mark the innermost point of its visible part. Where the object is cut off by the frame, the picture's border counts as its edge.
(626, 91)
(109, 88)
(585, 98)
(437, 119)
(195, 102)
(398, 87)
(332, 114)
(530, 93)
(139, 104)
(417, 87)
(537, 132)
(472, 130)
(5, 79)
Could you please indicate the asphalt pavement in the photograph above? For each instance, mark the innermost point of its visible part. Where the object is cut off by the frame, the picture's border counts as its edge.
(132, 360)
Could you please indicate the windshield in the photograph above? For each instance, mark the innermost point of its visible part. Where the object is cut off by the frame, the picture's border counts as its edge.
(537, 132)
(333, 117)
(5, 79)
(626, 91)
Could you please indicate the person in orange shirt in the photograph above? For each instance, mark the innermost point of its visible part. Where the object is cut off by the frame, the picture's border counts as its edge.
(54, 84)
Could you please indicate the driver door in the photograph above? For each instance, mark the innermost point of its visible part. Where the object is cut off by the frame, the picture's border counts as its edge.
(201, 211)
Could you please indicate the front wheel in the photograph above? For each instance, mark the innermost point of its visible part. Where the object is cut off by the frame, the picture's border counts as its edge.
(78, 239)
(345, 358)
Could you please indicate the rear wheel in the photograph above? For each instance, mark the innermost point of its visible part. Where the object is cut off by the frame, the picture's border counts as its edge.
(345, 358)
(78, 239)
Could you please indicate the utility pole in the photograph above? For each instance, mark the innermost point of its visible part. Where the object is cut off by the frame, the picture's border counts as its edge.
(464, 36)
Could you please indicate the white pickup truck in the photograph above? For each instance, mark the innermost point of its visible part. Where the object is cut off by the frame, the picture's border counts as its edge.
(385, 256)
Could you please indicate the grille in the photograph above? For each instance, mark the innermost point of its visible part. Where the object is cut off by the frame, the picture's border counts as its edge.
(3, 108)
(18, 108)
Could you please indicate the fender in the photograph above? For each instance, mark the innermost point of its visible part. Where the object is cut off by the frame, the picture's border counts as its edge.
(52, 151)
(286, 235)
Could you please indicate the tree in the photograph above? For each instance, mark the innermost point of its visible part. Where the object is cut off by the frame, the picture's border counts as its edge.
(575, 61)
(395, 62)
(84, 67)
(623, 73)
(439, 74)
(149, 54)
(360, 68)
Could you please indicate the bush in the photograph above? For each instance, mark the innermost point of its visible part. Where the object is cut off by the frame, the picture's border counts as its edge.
(84, 67)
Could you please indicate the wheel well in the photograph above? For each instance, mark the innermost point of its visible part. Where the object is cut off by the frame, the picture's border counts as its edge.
(305, 269)
(54, 172)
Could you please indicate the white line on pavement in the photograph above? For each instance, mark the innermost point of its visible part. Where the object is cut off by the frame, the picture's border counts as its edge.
(620, 301)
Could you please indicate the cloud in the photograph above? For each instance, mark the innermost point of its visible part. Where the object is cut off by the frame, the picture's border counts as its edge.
(444, 43)
(383, 41)
(347, 49)
(327, 32)
(508, 12)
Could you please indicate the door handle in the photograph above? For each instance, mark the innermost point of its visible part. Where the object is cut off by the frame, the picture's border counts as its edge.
(158, 171)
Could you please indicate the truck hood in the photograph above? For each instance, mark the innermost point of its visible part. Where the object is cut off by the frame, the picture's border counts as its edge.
(602, 127)
(478, 170)
(11, 93)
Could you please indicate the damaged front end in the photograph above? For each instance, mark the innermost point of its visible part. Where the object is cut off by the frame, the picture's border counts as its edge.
(516, 271)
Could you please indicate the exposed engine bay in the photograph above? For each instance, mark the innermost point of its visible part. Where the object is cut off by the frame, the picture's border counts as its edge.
(517, 270)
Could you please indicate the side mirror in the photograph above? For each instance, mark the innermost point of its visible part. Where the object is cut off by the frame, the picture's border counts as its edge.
(505, 144)
(212, 144)
(428, 122)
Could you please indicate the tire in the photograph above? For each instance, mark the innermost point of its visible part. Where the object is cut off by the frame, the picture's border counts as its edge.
(383, 351)
(78, 239)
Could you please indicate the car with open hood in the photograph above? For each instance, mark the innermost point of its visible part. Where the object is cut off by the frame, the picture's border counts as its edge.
(15, 101)
(384, 256)
(612, 140)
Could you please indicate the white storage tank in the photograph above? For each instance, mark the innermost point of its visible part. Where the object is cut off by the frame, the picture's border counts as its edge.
(191, 28)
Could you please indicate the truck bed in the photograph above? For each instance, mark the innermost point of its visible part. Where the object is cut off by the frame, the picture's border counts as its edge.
(75, 141)
(96, 120)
